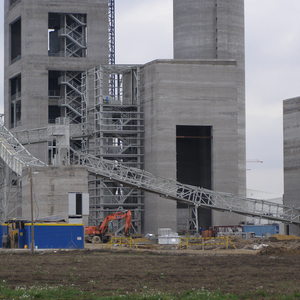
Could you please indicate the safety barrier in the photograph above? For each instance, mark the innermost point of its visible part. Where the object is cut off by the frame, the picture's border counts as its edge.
(126, 241)
(204, 241)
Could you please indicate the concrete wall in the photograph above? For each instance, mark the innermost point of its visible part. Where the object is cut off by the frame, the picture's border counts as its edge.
(291, 161)
(209, 29)
(190, 92)
(51, 187)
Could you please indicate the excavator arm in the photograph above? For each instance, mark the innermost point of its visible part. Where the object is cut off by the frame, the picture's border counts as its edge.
(116, 216)
(94, 234)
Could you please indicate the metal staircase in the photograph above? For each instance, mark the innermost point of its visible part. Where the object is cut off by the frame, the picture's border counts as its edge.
(74, 33)
(71, 83)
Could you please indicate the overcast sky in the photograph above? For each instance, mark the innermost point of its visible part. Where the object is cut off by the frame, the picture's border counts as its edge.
(272, 30)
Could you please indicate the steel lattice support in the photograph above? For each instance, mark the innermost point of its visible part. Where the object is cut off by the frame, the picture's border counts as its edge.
(14, 154)
(187, 194)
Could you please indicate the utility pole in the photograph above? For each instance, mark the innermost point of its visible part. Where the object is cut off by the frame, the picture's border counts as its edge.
(32, 227)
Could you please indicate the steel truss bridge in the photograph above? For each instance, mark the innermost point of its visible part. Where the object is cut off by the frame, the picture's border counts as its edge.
(16, 157)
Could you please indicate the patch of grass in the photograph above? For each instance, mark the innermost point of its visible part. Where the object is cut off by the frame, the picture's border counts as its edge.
(38, 292)
(59, 292)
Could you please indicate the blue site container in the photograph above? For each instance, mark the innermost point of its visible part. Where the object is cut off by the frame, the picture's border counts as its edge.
(1, 231)
(4, 228)
(261, 230)
(55, 235)
(22, 238)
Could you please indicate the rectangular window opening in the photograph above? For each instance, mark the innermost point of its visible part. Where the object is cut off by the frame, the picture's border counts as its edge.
(15, 41)
(54, 92)
(67, 34)
(15, 101)
(78, 204)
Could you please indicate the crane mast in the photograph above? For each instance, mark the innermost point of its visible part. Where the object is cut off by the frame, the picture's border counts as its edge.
(111, 43)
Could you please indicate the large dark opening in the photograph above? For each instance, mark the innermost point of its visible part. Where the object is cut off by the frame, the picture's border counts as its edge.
(78, 204)
(54, 42)
(54, 92)
(12, 2)
(15, 41)
(194, 162)
(67, 35)
(53, 113)
(15, 101)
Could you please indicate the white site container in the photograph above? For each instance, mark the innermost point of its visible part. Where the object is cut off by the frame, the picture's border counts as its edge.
(167, 237)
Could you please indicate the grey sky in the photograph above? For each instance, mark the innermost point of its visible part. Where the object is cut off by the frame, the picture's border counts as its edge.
(272, 31)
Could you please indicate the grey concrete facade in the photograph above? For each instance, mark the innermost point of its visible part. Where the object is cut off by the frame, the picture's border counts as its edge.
(51, 188)
(190, 92)
(209, 29)
(204, 85)
(33, 63)
(291, 155)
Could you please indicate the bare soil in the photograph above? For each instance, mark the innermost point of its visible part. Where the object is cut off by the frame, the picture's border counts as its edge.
(273, 269)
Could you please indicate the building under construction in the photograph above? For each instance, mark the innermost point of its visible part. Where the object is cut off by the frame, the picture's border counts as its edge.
(181, 118)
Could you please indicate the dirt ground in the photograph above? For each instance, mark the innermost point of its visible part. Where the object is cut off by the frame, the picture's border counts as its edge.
(274, 268)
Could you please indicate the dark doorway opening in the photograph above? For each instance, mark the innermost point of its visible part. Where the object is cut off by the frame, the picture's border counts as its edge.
(194, 162)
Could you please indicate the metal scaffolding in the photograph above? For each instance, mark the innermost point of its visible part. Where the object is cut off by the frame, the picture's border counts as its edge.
(118, 131)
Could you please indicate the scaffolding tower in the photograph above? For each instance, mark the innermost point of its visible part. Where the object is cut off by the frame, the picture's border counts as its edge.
(118, 131)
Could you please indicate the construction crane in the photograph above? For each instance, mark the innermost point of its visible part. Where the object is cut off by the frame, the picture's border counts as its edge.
(111, 43)
(111, 32)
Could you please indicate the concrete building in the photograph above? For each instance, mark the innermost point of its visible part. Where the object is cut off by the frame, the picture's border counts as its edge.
(54, 188)
(182, 118)
(195, 142)
(291, 155)
(195, 109)
(47, 46)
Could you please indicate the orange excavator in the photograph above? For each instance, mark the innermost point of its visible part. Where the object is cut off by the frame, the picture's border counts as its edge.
(96, 234)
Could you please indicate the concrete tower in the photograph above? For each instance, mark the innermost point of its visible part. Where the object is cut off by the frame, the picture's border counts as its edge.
(48, 43)
(214, 29)
(291, 155)
(195, 110)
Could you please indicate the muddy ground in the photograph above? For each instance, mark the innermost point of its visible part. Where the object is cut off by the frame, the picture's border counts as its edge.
(274, 269)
